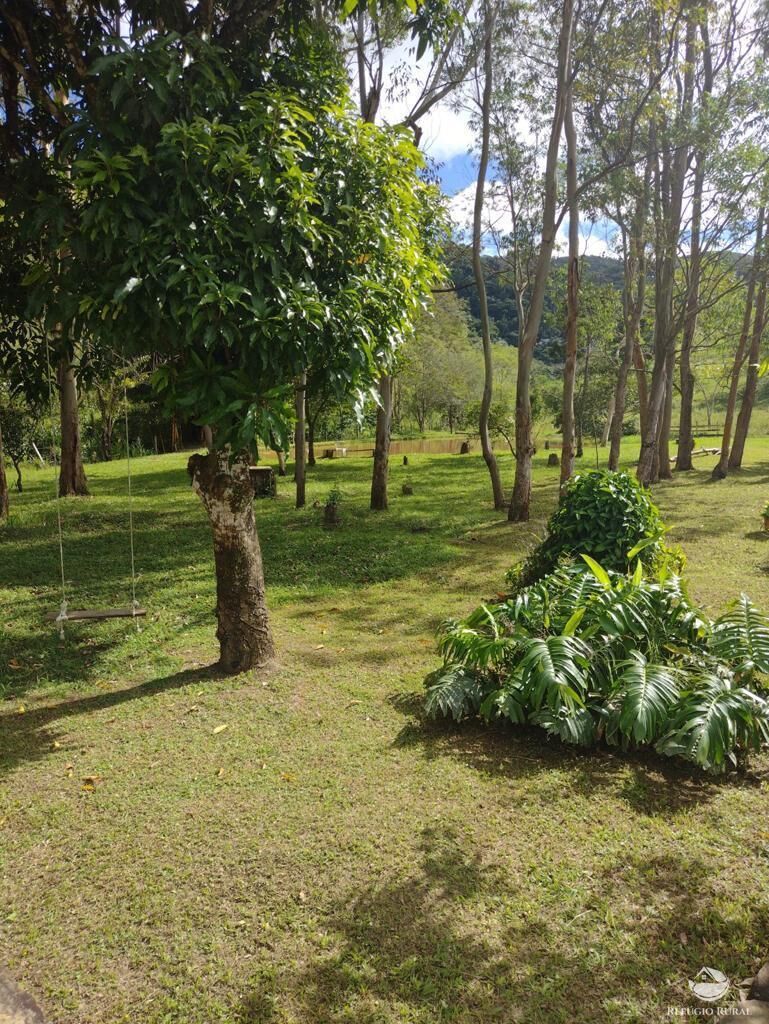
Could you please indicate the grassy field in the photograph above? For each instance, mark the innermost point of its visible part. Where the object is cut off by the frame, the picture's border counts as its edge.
(329, 857)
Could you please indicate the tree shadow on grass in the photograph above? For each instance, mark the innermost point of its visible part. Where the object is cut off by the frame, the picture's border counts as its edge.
(460, 935)
(30, 736)
(650, 784)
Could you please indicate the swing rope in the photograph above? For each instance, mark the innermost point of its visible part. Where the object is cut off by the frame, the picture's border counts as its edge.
(62, 616)
(134, 602)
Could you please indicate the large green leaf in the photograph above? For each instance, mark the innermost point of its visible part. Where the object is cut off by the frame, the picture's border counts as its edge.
(453, 691)
(641, 698)
(553, 671)
(740, 638)
(713, 721)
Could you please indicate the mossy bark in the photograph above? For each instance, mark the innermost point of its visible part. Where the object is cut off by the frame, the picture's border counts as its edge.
(72, 479)
(225, 488)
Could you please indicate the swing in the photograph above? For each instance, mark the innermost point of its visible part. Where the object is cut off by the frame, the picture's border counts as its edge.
(64, 614)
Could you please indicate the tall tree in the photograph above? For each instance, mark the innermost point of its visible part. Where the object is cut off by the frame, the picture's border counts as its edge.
(760, 320)
(330, 230)
(721, 468)
(488, 22)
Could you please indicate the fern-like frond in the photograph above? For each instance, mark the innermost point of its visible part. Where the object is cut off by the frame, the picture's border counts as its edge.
(575, 725)
(713, 721)
(642, 697)
(553, 671)
(740, 638)
(455, 692)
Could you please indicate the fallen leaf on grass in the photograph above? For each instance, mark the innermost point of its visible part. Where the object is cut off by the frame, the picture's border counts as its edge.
(20, 710)
(13, 663)
(319, 647)
(220, 773)
(220, 728)
(287, 776)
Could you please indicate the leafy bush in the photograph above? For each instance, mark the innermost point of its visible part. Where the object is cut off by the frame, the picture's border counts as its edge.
(604, 514)
(593, 655)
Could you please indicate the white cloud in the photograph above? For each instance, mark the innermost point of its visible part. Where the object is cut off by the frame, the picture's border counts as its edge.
(595, 239)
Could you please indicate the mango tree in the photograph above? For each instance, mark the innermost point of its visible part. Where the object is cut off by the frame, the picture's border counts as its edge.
(239, 218)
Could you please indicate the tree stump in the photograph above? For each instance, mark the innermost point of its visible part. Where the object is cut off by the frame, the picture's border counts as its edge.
(331, 517)
(263, 481)
(405, 460)
(552, 459)
(465, 448)
(407, 489)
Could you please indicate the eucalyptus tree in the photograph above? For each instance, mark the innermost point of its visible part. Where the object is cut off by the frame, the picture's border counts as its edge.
(226, 207)
(484, 90)
(440, 33)
(568, 61)
(699, 186)
(760, 322)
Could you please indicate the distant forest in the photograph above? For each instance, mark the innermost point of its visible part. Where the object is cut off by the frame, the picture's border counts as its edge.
(502, 311)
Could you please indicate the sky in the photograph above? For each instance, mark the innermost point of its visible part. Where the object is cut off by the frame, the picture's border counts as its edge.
(448, 142)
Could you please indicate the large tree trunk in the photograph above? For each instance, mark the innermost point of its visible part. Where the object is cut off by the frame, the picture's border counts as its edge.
(572, 300)
(382, 445)
(524, 448)
(245, 640)
(3, 482)
(488, 371)
(751, 382)
(299, 443)
(721, 468)
(71, 473)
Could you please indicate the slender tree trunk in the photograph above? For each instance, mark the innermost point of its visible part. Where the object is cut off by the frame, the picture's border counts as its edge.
(642, 384)
(382, 445)
(300, 451)
(3, 483)
(721, 468)
(634, 295)
(281, 463)
(685, 437)
(227, 494)
(175, 438)
(609, 417)
(311, 442)
(572, 299)
(751, 382)
(663, 447)
(524, 447)
(72, 480)
(670, 180)
(488, 371)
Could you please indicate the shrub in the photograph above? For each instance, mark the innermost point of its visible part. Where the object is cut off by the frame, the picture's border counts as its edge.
(606, 515)
(592, 655)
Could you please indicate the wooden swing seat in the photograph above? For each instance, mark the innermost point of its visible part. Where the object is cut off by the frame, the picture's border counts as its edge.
(98, 613)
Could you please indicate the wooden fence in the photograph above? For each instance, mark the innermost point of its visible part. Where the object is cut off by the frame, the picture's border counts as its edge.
(417, 446)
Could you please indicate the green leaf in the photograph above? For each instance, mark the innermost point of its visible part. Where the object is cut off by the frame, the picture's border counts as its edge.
(598, 571)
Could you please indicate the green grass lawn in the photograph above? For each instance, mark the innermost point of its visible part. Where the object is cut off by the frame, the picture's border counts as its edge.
(329, 856)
